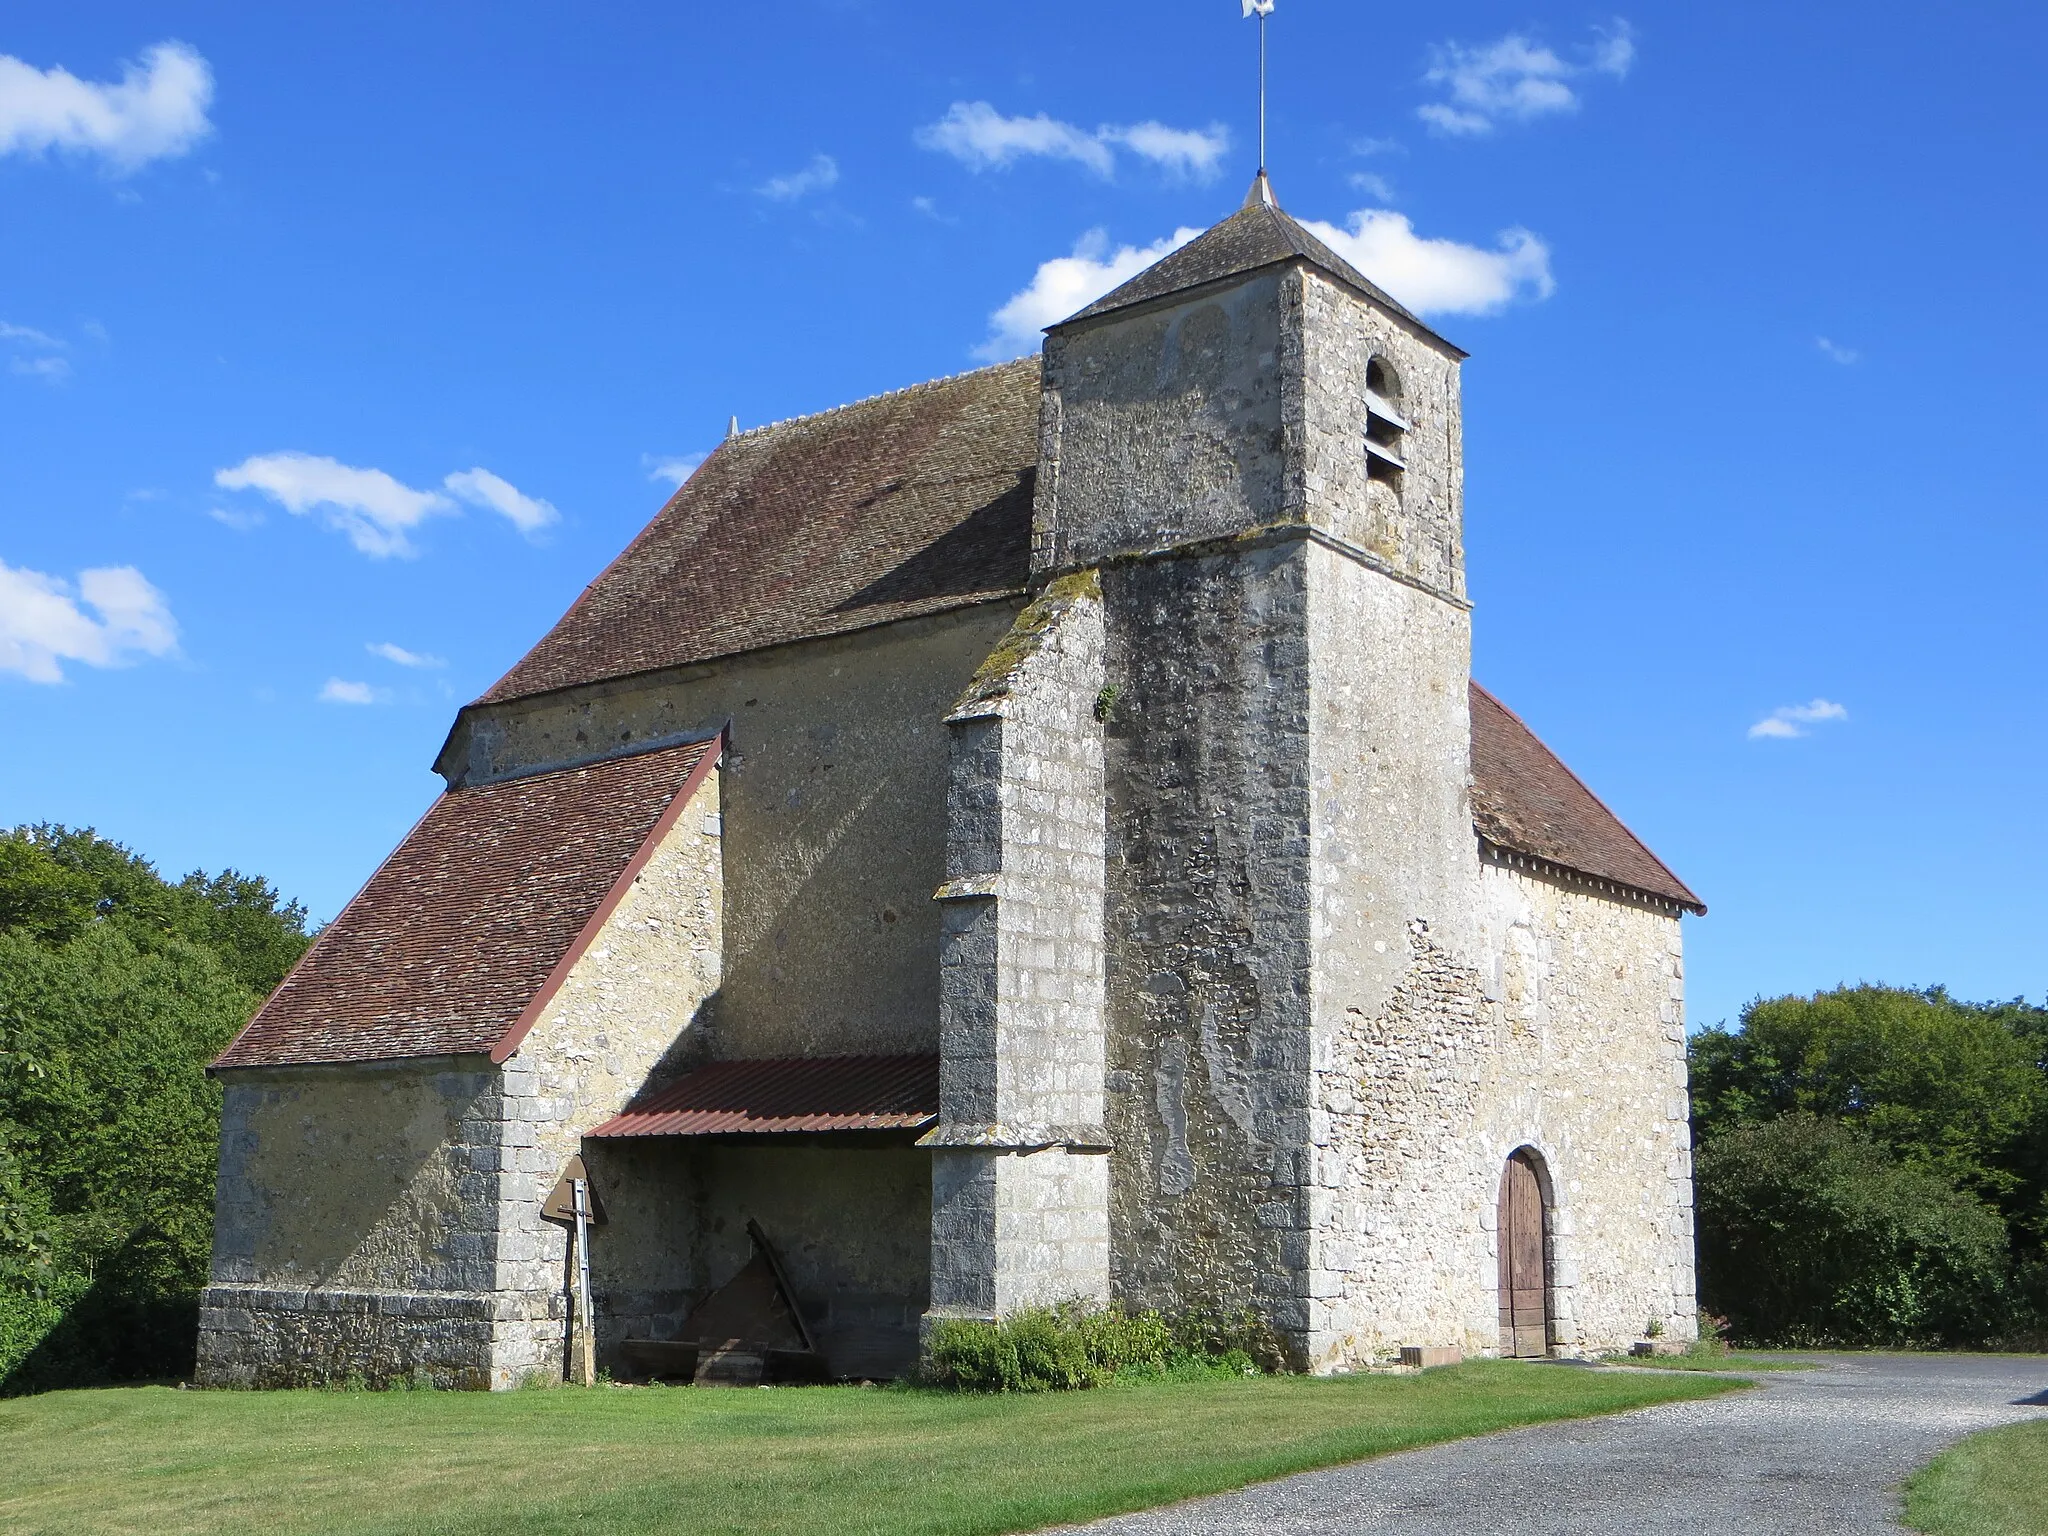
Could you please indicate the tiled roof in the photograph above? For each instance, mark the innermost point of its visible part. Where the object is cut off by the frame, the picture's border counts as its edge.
(905, 504)
(817, 1093)
(1259, 234)
(1525, 800)
(465, 931)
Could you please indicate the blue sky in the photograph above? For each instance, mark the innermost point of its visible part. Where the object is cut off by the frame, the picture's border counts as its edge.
(1752, 418)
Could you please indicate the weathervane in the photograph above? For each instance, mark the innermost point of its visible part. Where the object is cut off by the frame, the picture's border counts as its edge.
(1261, 9)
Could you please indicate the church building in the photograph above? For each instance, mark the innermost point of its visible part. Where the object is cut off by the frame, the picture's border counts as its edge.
(1031, 836)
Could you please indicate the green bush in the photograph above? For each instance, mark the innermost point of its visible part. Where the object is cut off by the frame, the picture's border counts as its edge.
(1073, 1346)
(116, 989)
(1957, 1088)
(1812, 1233)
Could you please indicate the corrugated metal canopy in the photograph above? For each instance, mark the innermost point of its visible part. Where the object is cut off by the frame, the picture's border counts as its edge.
(817, 1093)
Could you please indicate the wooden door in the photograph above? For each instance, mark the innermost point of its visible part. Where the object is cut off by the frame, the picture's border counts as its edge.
(1524, 1298)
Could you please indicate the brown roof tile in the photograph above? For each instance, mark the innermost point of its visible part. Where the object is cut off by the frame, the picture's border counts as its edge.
(465, 931)
(818, 1093)
(1524, 799)
(905, 504)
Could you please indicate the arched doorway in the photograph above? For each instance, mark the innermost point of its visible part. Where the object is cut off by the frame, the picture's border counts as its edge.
(1524, 1291)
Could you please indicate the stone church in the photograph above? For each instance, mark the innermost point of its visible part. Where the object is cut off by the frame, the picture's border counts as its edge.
(1029, 836)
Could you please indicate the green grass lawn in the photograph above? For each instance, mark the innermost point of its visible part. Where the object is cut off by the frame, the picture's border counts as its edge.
(1993, 1484)
(829, 1459)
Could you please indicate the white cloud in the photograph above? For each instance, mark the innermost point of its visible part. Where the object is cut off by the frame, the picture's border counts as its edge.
(1513, 79)
(44, 624)
(1791, 720)
(981, 138)
(1440, 276)
(374, 510)
(340, 691)
(30, 336)
(236, 518)
(156, 110)
(1183, 151)
(481, 488)
(35, 354)
(1372, 186)
(1837, 353)
(673, 469)
(821, 174)
(1069, 283)
(398, 655)
(1613, 50)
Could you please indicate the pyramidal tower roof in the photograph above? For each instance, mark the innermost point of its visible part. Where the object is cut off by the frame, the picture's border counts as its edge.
(1260, 234)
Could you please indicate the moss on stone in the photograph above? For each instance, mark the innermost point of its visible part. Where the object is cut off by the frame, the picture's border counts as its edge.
(993, 677)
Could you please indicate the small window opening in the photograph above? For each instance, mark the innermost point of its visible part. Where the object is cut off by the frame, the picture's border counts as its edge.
(1386, 427)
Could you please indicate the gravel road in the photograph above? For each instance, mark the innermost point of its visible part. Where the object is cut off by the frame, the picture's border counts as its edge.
(1814, 1452)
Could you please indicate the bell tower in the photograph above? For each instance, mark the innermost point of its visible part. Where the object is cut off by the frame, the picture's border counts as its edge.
(1258, 451)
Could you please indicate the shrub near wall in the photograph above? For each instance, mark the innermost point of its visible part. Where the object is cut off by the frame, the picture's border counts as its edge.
(1070, 1347)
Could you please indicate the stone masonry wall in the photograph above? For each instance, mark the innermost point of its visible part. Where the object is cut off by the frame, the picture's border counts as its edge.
(1566, 1039)
(382, 1221)
(1588, 995)
(1393, 856)
(834, 794)
(622, 1020)
(1414, 528)
(1207, 767)
(851, 1224)
(1162, 427)
(1020, 1188)
(354, 1226)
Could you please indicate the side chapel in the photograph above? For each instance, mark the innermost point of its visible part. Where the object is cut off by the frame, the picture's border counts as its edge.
(1029, 836)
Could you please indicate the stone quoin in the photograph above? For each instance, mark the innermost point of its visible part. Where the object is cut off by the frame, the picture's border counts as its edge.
(1030, 836)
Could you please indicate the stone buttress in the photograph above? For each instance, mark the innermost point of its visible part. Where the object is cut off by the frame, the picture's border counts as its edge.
(1019, 1180)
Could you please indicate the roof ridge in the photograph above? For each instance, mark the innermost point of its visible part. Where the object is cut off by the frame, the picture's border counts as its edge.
(886, 394)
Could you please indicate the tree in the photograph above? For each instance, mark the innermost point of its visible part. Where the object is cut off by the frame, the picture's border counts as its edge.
(1811, 1233)
(1853, 1146)
(1957, 1088)
(116, 989)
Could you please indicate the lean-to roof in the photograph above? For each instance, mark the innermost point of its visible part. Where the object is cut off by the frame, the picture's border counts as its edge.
(797, 1095)
(464, 933)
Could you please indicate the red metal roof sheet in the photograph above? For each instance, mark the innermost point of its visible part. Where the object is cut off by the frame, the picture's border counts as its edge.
(817, 1093)
(466, 930)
